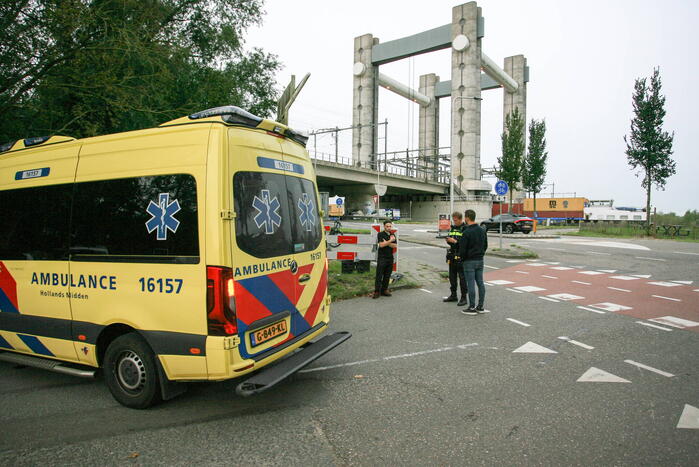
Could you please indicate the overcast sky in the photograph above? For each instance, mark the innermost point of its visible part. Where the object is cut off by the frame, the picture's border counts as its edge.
(583, 59)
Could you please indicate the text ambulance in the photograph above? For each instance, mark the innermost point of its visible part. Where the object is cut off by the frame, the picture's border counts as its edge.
(192, 251)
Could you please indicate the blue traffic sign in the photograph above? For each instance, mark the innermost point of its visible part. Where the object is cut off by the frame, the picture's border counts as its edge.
(501, 187)
(339, 201)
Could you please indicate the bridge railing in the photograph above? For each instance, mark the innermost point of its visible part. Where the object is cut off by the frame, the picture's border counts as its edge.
(422, 164)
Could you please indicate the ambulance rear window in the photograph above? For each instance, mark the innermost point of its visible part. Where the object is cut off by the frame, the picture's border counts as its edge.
(276, 214)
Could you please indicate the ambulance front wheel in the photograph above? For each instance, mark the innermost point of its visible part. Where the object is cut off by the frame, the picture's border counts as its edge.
(131, 373)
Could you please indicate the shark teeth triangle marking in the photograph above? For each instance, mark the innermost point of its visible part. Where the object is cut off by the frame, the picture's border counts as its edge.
(531, 347)
(689, 418)
(595, 375)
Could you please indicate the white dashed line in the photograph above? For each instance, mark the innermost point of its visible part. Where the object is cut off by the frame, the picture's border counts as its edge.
(649, 368)
(642, 276)
(583, 283)
(592, 310)
(566, 297)
(521, 323)
(685, 253)
(591, 273)
(664, 284)
(620, 290)
(650, 259)
(515, 291)
(489, 284)
(562, 268)
(555, 249)
(549, 277)
(608, 306)
(392, 357)
(491, 267)
(675, 322)
(610, 271)
(549, 299)
(598, 253)
(529, 288)
(425, 290)
(579, 344)
(667, 298)
(521, 272)
(624, 278)
(501, 282)
(653, 326)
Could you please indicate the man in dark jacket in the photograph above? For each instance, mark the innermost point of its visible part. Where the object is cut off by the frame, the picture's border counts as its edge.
(474, 243)
(456, 270)
(384, 260)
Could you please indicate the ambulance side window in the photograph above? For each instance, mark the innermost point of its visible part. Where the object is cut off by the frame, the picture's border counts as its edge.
(262, 214)
(34, 223)
(141, 219)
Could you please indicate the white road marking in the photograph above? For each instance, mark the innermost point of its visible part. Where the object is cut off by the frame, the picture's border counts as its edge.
(674, 322)
(650, 259)
(624, 278)
(566, 296)
(562, 268)
(608, 306)
(642, 276)
(653, 325)
(610, 271)
(531, 347)
(549, 277)
(592, 310)
(491, 267)
(686, 253)
(521, 272)
(392, 357)
(515, 261)
(538, 265)
(489, 284)
(684, 282)
(529, 288)
(598, 253)
(553, 263)
(421, 230)
(521, 323)
(649, 368)
(595, 375)
(591, 273)
(513, 290)
(664, 284)
(689, 418)
(667, 298)
(549, 299)
(583, 283)
(425, 290)
(579, 344)
(695, 290)
(556, 249)
(620, 290)
(501, 282)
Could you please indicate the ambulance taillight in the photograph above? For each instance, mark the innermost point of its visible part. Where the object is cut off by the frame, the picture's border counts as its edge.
(220, 301)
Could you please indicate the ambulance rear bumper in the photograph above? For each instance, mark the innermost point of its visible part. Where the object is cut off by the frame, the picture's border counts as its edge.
(272, 375)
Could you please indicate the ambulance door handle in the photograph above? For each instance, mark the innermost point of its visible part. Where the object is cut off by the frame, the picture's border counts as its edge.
(304, 278)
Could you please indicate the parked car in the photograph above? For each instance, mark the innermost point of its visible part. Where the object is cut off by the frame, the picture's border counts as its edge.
(510, 223)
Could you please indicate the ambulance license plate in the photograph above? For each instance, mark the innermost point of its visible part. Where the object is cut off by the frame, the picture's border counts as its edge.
(267, 333)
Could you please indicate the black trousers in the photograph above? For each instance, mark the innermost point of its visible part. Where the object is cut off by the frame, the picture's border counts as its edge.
(457, 270)
(384, 268)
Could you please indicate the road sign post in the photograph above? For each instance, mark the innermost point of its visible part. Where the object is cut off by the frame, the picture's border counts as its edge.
(501, 189)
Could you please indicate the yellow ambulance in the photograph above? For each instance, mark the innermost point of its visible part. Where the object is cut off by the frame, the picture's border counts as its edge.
(191, 251)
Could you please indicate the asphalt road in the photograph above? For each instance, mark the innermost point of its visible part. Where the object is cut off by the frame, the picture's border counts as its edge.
(420, 383)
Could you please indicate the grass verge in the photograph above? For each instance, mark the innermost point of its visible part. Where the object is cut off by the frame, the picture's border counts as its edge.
(626, 234)
(357, 284)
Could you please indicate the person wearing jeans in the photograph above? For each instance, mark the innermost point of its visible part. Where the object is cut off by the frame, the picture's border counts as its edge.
(472, 248)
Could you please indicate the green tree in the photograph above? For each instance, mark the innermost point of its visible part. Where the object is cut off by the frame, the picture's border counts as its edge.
(89, 67)
(510, 163)
(649, 146)
(534, 170)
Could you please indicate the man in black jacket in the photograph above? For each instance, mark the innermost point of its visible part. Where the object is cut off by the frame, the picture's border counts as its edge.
(474, 243)
(456, 270)
(384, 260)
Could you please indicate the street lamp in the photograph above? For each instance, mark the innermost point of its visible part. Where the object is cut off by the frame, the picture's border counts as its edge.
(451, 166)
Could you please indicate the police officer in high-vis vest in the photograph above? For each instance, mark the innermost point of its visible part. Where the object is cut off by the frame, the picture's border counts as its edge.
(455, 268)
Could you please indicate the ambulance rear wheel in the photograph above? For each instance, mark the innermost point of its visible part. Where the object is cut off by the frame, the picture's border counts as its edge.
(131, 373)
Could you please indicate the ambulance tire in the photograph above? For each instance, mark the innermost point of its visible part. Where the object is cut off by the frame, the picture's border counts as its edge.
(131, 373)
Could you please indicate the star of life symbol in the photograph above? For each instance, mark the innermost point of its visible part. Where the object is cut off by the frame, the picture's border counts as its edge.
(307, 216)
(267, 212)
(163, 214)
